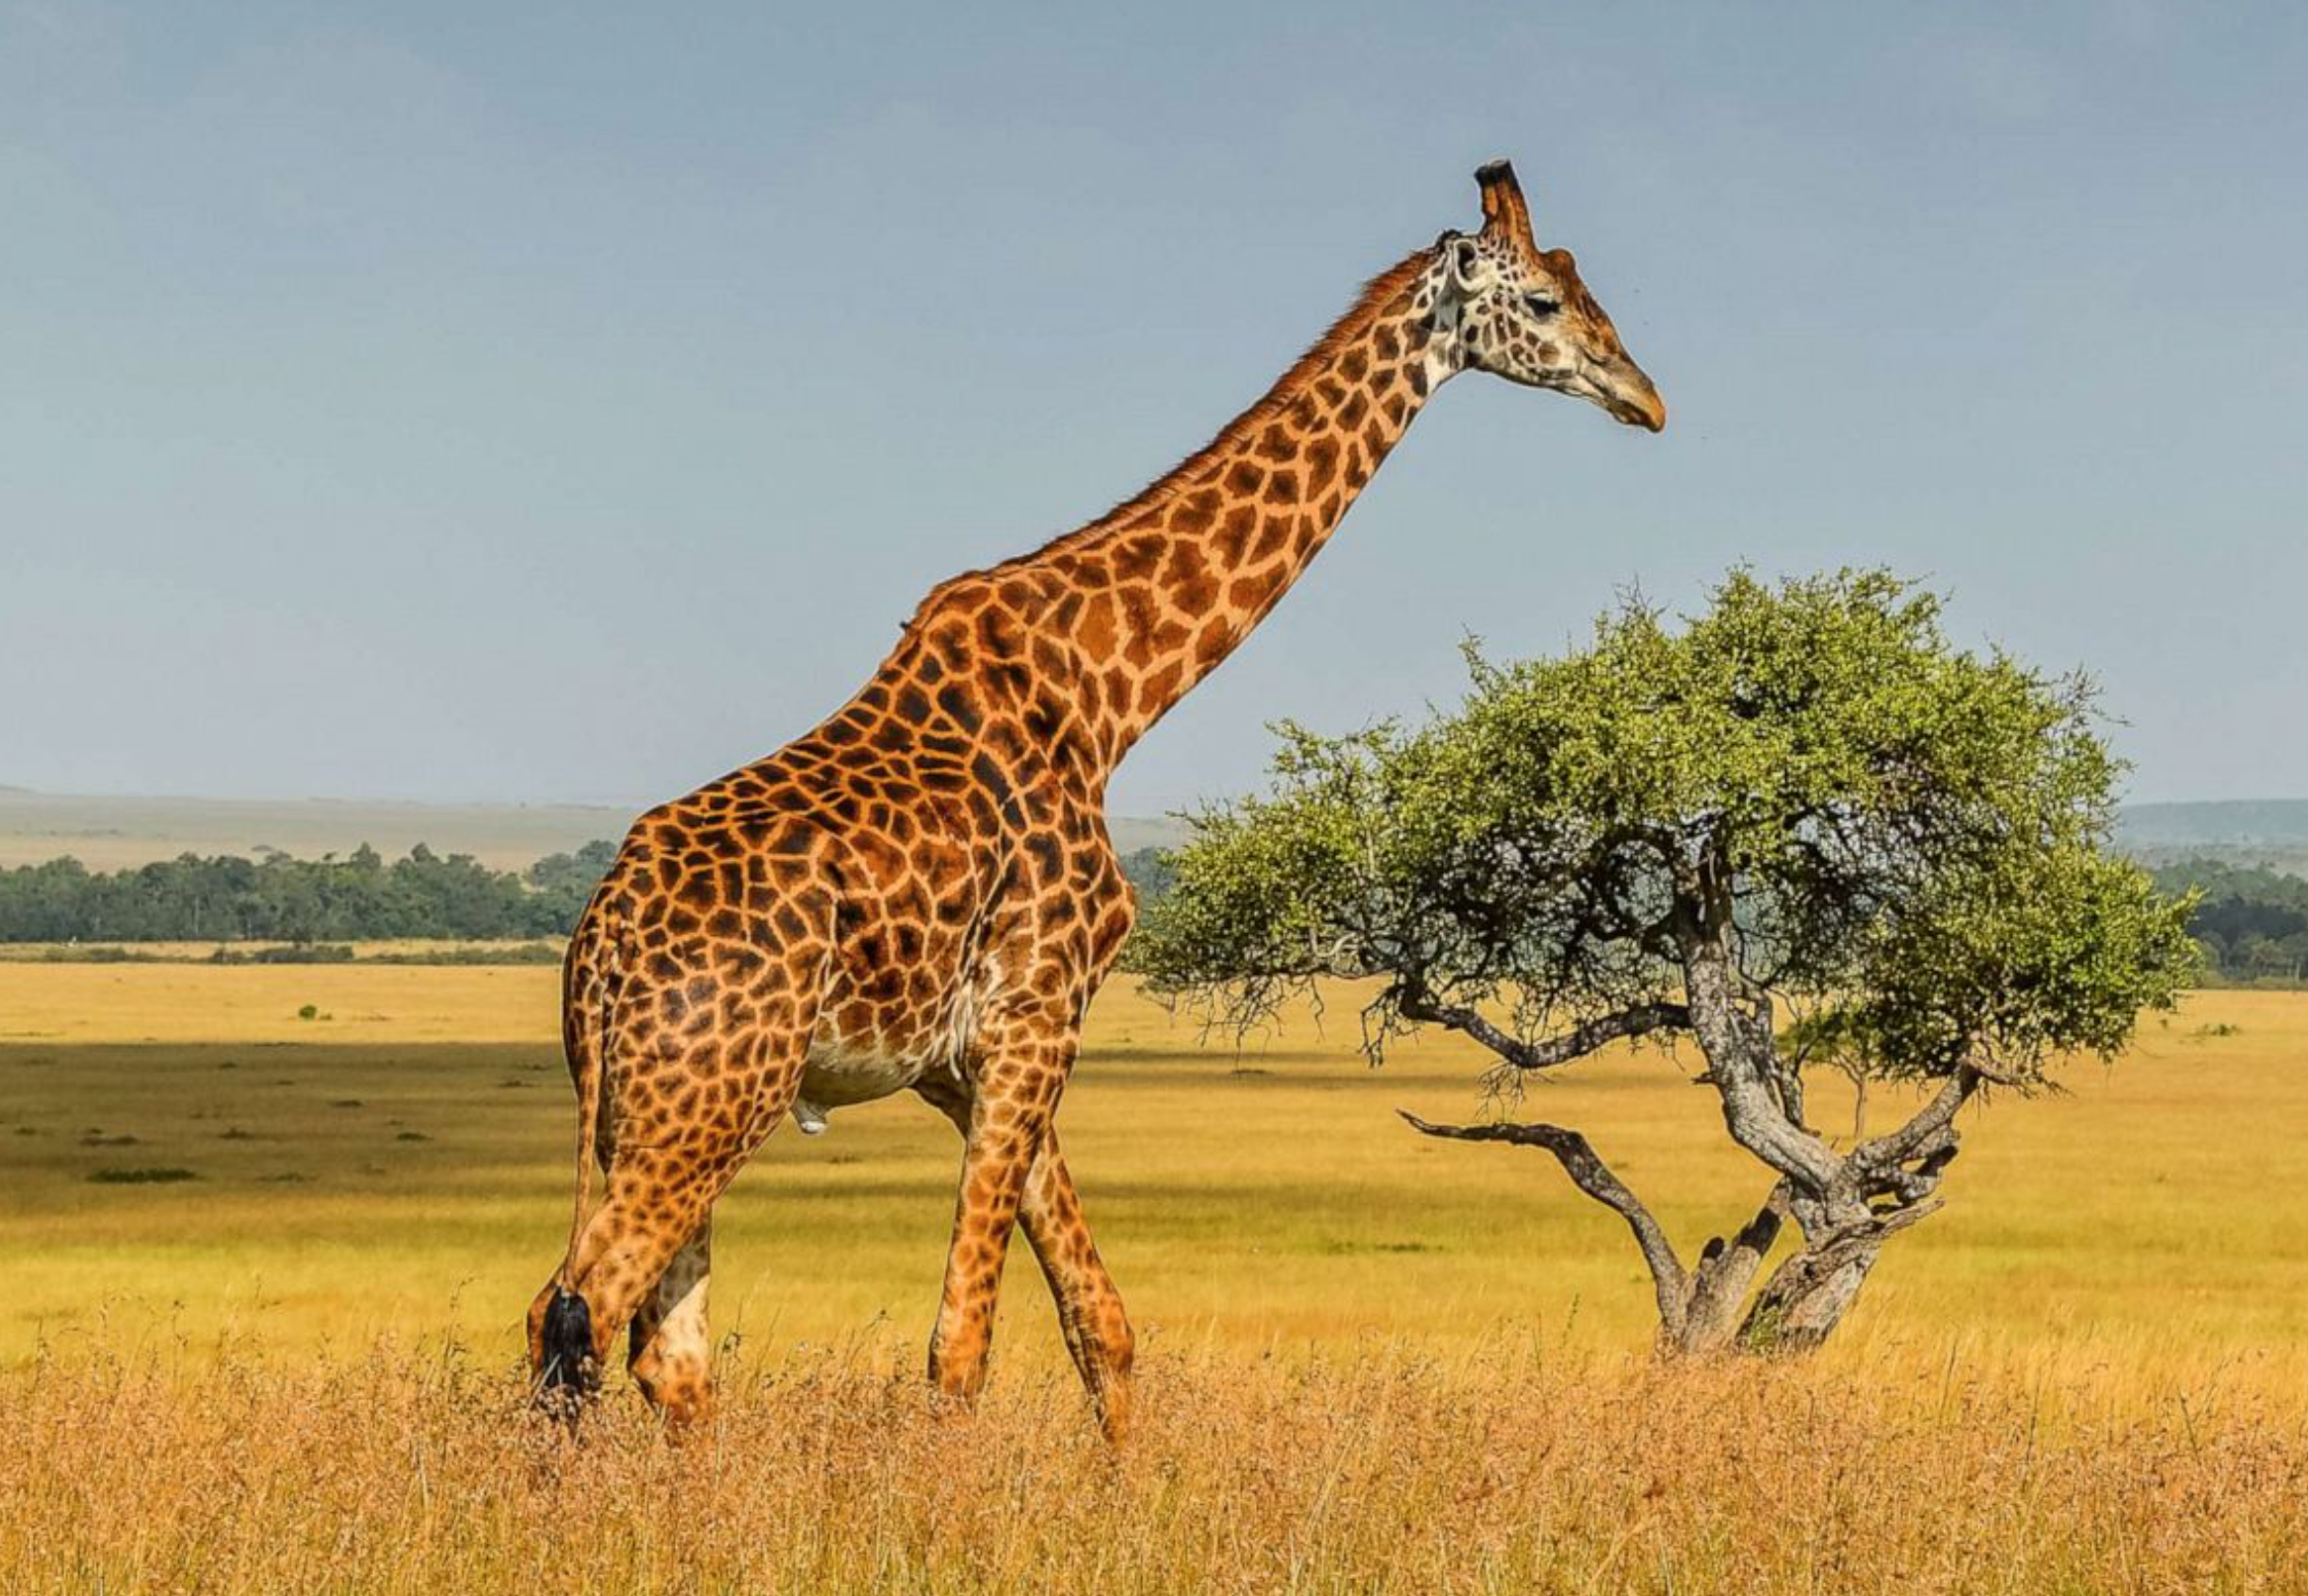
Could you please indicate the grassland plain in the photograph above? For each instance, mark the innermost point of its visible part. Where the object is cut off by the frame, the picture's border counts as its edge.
(1372, 1363)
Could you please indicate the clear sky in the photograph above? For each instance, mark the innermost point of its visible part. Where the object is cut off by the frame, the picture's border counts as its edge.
(457, 401)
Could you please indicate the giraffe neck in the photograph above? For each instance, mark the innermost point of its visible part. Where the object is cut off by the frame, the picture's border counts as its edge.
(1159, 590)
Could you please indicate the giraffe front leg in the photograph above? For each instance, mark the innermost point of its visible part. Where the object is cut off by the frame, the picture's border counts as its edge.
(671, 1355)
(1009, 1116)
(1090, 1308)
(1090, 1316)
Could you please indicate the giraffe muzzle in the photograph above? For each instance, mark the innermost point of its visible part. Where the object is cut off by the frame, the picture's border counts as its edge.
(1628, 393)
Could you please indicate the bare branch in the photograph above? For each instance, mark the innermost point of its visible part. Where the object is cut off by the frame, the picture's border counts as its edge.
(1417, 1003)
(1592, 1176)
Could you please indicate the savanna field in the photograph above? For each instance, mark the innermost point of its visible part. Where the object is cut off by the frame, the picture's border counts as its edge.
(267, 1233)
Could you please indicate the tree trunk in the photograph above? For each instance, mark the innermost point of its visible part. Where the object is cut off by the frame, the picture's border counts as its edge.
(1720, 1285)
(1805, 1298)
(1845, 1206)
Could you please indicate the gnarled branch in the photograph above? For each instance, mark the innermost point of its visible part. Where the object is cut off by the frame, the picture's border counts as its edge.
(1807, 1294)
(1592, 1176)
(1417, 1003)
(1726, 1269)
(1927, 1140)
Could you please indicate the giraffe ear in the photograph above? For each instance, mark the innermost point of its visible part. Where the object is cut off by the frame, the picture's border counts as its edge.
(1470, 272)
(1503, 210)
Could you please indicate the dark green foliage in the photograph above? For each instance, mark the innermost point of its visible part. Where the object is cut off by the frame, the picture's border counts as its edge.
(139, 1177)
(1150, 873)
(294, 953)
(301, 901)
(2250, 922)
(501, 953)
(564, 883)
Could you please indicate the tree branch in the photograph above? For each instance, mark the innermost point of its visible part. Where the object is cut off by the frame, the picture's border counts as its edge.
(1928, 1135)
(1416, 1003)
(1592, 1176)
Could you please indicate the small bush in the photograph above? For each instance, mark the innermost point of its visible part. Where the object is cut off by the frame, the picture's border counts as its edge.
(139, 1177)
(75, 955)
(516, 953)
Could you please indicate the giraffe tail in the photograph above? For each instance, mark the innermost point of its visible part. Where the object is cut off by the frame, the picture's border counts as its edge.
(565, 1360)
(566, 1346)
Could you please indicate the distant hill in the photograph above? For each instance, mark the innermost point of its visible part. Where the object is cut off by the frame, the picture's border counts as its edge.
(2269, 832)
(112, 834)
(115, 833)
(2227, 823)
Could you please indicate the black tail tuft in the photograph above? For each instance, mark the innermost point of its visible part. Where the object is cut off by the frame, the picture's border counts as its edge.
(568, 1346)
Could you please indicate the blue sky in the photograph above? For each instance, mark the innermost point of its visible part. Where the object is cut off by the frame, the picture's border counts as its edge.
(522, 403)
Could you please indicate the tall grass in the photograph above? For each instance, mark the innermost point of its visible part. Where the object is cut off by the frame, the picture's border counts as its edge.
(1385, 1472)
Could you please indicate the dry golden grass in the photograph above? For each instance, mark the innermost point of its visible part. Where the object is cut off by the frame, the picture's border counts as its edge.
(1377, 1472)
(261, 1003)
(1372, 1363)
(402, 1166)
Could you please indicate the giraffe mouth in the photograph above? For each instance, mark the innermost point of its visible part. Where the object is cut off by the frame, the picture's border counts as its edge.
(1620, 387)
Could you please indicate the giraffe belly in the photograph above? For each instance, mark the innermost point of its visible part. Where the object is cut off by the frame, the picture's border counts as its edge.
(844, 1070)
(840, 1075)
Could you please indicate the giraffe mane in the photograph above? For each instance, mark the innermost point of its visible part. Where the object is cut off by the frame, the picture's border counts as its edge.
(1373, 298)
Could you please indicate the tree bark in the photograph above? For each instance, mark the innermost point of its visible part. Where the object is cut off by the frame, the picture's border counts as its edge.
(1416, 1003)
(1807, 1295)
(1726, 1271)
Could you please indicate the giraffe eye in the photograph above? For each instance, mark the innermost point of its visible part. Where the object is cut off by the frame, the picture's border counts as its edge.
(1540, 306)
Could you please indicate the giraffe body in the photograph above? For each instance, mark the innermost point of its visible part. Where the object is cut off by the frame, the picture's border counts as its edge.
(920, 894)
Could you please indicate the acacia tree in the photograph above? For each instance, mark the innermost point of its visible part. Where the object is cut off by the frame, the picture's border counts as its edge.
(1802, 829)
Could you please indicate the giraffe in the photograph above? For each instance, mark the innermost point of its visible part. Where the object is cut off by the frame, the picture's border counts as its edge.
(920, 894)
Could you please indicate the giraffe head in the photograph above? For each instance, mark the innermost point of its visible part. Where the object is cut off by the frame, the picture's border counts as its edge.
(1521, 313)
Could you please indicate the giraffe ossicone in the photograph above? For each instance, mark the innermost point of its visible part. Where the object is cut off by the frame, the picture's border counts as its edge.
(919, 894)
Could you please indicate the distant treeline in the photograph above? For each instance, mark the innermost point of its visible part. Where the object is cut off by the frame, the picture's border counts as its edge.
(357, 897)
(2253, 922)
(1150, 871)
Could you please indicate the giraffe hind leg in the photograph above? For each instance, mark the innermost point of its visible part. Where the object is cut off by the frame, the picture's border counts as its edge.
(642, 1259)
(671, 1356)
(689, 1109)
